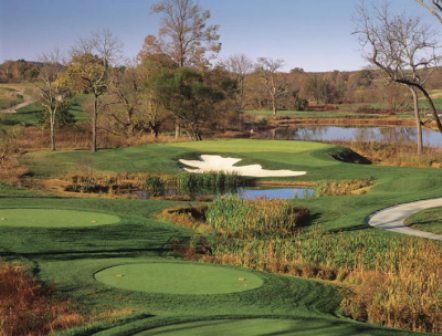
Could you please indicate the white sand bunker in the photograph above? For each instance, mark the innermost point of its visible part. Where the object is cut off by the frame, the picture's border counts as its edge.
(217, 163)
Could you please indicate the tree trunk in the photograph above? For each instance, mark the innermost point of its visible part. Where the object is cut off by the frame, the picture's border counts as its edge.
(94, 125)
(420, 146)
(433, 109)
(428, 97)
(274, 103)
(52, 136)
(177, 130)
(52, 127)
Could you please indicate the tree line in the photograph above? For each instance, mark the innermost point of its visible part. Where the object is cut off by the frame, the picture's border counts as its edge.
(177, 79)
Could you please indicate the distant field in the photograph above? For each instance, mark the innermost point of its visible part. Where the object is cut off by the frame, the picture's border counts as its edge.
(30, 115)
(9, 97)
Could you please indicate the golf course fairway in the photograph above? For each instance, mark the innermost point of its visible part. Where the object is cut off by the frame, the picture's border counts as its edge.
(259, 327)
(55, 218)
(179, 278)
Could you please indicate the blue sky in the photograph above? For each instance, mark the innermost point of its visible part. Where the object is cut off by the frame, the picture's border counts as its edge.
(312, 34)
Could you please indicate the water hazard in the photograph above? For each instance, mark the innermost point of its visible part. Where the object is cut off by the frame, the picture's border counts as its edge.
(362, 134)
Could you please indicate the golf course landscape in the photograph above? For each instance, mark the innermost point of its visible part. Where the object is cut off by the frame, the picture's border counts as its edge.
(220, 168)
(117, 255)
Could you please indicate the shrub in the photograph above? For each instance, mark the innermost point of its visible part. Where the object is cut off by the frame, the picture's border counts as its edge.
(28, 308)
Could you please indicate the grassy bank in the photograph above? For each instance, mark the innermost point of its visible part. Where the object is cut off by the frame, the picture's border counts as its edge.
(428, 220)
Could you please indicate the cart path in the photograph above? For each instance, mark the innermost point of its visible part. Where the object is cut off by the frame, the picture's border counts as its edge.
(392, 219)
(26, 101)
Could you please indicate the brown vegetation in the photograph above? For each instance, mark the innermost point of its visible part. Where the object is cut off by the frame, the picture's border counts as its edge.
(393, 154)
(29, 308)
(393, 282)
(344, 187)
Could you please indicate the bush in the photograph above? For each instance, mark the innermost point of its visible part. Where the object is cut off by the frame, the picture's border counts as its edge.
(28, 308)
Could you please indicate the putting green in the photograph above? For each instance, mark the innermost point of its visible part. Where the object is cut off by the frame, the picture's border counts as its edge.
(49, 218)
(179, 278)
(259, 326)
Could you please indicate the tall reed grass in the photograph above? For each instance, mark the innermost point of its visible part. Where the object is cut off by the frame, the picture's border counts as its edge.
(235, 217)
(216, 182)
(395, 281)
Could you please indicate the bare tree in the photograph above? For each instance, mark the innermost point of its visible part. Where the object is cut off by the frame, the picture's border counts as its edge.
(126, 89)
(184, 33)
(433, 6)
(89, 70)
(269, 68)
(403, 48)
(53, 91)
(239, 66)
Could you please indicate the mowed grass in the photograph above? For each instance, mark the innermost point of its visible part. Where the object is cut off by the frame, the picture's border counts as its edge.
(53, 218)
(193, 278)
(427, 220)
(69, 257)
(392, 185)
(264, 326)
(163, 158)
(9, 97)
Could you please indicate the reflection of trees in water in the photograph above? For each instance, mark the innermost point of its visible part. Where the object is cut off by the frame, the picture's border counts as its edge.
(397, 134)
(360, 134)
(309, 133)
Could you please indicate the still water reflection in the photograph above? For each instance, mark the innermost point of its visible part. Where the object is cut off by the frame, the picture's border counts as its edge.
(364, 134)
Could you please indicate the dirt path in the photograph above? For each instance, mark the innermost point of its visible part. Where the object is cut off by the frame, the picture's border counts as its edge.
(392, 219)
(26, 101)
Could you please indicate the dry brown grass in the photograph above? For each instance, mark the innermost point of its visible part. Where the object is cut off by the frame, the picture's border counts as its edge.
(29, 308)
(407, 294)
(401, 155)
(11, 172)
(344, 187)
(394, 283)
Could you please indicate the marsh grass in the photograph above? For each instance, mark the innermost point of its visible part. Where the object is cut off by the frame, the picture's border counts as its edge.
(344, 187)
(216, 182)
(155, 185)
(235, 217)
(394, 281)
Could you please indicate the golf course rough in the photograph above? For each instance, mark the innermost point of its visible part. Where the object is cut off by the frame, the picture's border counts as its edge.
(54, 218)
(179, 278)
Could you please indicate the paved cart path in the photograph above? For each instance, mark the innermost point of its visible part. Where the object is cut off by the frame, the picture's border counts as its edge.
(26, 101)
(392, 219)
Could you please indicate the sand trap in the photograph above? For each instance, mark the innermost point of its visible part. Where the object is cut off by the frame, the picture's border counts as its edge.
(217, 163)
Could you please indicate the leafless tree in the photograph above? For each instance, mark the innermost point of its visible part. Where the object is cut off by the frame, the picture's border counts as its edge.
(269, 69)
(89, 70)
(126, 90)
(239, 66)
(53, 91)
(403, 48)
(433, 6)
(184, 33)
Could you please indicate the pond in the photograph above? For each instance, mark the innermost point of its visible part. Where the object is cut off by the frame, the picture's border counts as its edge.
(363, 134)
(275, 193)
(246, 193)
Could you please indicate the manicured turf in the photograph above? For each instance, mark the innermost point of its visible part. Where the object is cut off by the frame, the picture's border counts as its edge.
(260, 327)
(179, 278)
(53, 218)
(69, 257)
(428, 220)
